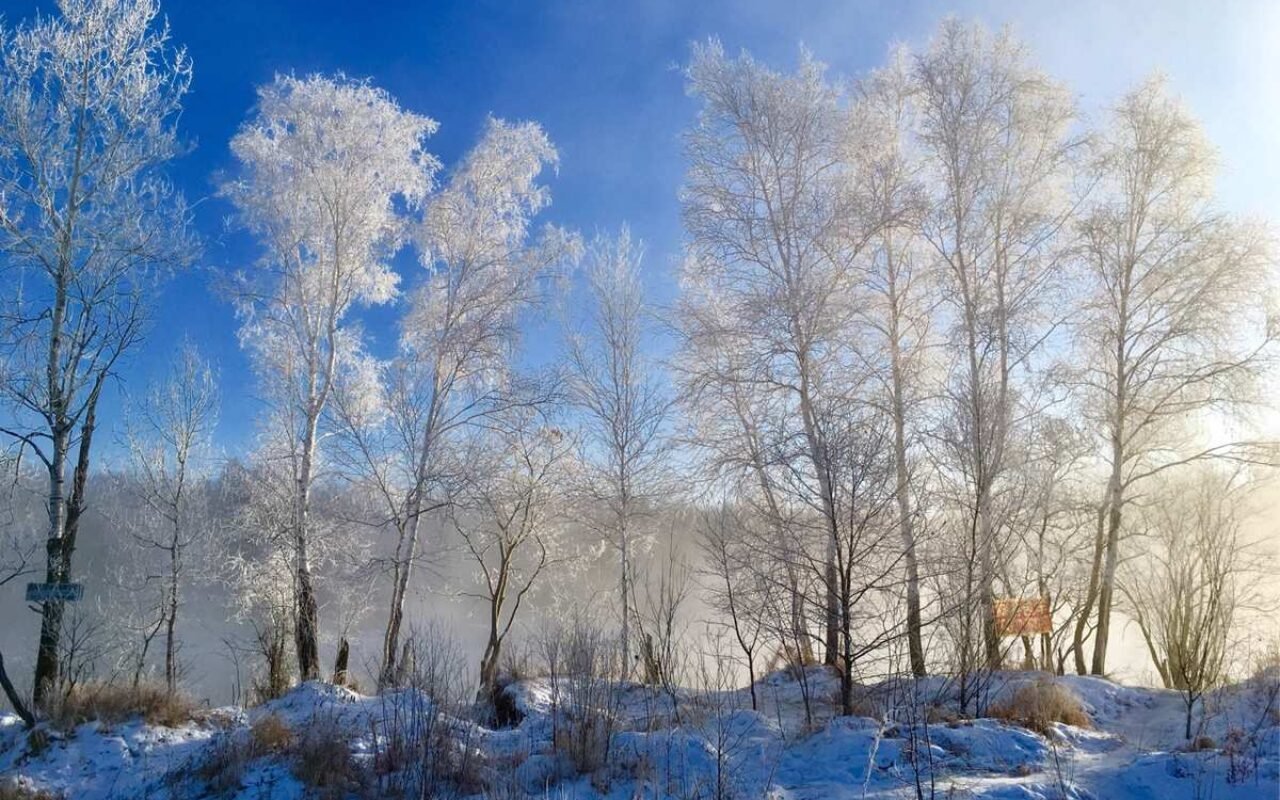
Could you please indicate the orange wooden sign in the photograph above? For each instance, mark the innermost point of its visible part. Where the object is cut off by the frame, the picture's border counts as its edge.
(1023, 616)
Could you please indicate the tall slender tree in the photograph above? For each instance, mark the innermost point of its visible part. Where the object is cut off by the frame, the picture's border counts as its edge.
(901, 294)
(89, 101)
(509, 515)
(773, 237)
(325, 165)
(1176, 323)
(614, 382)
(994, 131)
(485, 268)
(169, 449)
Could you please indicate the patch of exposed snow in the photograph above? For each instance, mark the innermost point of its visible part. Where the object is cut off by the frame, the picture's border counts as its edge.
(682, 745)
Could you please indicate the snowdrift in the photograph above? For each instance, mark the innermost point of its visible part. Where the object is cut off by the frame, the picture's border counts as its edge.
(325, 741)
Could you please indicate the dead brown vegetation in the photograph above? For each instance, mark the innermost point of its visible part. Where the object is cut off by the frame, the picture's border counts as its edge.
(270, 734)
(112, 703)
(1038, 705)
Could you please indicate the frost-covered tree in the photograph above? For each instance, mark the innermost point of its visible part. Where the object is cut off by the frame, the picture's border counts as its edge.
(258, 567)
(994, 133)
(170, 440)
(325, 166)
(900, 297)
(615, 384)
(1176, 322)
(454, 366)
(509, 515)
(89, 101)
(772, 244)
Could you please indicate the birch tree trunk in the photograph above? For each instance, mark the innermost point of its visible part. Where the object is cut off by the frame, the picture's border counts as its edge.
(306, 638)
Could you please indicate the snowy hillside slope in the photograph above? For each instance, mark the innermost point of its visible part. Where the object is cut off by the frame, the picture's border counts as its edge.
(667, 745)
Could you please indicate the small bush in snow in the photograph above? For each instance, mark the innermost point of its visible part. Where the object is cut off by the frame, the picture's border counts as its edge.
(1038, 705)
(320, 756)
(518, 665)
(939, 714)
(420, 745)
(37, 742)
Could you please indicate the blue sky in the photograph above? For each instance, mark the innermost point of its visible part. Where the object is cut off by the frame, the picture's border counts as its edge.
(603, 79)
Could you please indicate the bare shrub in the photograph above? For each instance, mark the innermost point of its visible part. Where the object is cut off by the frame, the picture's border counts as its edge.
(582, 664)
(716, 706)
(912, 709)
(501, 777)
(437, 666)
(518, 665)
(939, 713)
(222, 766)
(1038, 705)
(420, 749)
(662, 627)
(786, 657)
(585, 740)
(116, 702)
(38, 741)
(321, 757)
(1243, 745)
(864, 703)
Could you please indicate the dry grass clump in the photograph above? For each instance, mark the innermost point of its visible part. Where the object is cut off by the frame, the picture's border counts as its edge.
(38, 741)
(223, 767)
(1201, 744)
(789, 659)
(518, 664)
(16, 790)
(270, 734)
(116, 702)
(1038, 705)
(865, 703)
(941, 714)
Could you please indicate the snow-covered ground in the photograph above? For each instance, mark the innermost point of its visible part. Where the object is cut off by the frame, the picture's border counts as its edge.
(687, 745)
